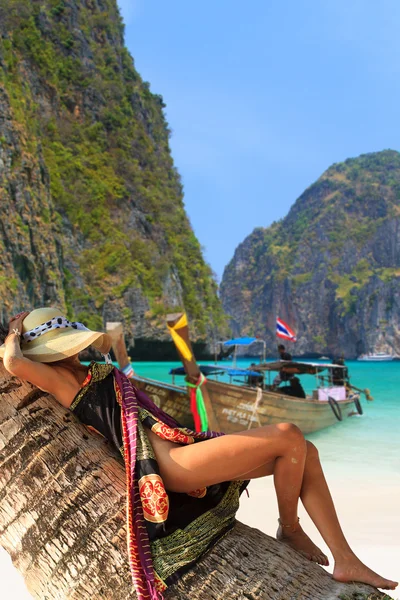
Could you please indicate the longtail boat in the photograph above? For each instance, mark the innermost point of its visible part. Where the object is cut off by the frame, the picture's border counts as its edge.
(235, 408)
(231, 408)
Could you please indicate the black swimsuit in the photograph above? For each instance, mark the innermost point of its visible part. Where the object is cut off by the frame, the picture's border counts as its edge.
(95, 405)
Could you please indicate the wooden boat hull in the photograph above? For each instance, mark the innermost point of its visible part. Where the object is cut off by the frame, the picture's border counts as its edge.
(234, 406)
(235, 409)
(172, 399)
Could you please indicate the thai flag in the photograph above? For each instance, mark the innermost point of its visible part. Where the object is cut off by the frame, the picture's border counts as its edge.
(283, 331)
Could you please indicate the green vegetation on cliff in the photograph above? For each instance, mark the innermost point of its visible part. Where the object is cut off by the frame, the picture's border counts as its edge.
(80, 103)
(347, 204)
(321, 264)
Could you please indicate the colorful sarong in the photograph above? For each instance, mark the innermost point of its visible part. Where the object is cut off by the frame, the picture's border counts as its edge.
(167, 531)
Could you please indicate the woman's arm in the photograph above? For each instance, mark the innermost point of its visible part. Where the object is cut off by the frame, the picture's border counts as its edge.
(39, 374)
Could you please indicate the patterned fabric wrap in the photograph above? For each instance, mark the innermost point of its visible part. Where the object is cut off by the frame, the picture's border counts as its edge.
(147, 583)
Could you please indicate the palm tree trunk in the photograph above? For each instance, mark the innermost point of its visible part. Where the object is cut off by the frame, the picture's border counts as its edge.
(62, 520)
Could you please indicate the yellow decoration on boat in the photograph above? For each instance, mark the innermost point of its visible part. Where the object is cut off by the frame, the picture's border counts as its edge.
(179, 342)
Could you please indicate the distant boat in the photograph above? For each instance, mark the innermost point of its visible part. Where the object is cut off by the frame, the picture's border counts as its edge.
(377, 357)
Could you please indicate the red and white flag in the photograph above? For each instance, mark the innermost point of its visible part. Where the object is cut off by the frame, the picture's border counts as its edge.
(284, 331)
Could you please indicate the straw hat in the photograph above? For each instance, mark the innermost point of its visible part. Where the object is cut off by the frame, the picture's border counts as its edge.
(52, 337)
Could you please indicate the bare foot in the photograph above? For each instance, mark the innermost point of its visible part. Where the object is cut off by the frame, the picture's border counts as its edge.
(298, 540)
(350, 568)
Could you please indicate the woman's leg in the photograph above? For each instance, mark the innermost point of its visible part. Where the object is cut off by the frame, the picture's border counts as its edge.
(185, 468)
(317, 500)
(279, 450)
(295, 536)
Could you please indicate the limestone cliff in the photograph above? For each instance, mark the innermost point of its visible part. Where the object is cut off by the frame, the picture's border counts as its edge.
(91, 205)
(331, 267)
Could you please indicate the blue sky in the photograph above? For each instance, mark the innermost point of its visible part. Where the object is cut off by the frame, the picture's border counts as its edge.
(264, 96)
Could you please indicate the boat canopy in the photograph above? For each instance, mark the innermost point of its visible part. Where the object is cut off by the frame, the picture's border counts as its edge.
(296, 367)
(244, 341)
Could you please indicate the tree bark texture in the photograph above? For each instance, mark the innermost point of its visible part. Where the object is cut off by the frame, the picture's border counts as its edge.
(62, 520)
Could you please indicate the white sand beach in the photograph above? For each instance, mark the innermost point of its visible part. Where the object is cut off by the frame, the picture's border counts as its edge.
(369, 515)
(12, 584)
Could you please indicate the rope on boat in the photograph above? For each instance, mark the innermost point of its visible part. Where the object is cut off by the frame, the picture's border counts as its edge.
(365, 391)
(255, 408)
(197, 404)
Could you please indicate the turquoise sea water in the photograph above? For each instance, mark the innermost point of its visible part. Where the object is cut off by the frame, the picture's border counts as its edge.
(366, 446)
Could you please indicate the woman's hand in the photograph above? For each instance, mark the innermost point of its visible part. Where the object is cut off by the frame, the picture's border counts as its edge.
(15, 323)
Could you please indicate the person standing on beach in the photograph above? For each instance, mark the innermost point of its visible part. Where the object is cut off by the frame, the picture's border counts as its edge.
(177, 465)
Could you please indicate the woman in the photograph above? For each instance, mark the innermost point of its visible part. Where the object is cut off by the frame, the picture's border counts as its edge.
(203, 473)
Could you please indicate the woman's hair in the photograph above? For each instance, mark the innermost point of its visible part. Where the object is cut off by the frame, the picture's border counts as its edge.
(3, 332)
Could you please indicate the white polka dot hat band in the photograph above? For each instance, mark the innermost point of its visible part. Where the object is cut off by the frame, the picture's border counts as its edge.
(54, 323)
